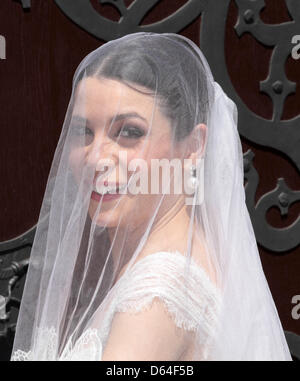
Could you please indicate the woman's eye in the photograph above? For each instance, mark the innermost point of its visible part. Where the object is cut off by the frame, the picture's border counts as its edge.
(82, 134)
(82, 130)
(131, 132)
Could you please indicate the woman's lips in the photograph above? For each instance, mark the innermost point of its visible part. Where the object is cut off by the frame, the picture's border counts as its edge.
(105, 191)
(111, 188)
(104, 197)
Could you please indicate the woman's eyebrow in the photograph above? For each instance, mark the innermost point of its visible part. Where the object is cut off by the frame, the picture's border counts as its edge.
(80, 119)
(127, 115)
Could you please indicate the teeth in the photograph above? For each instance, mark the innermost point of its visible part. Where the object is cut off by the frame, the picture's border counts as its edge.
(105, 190)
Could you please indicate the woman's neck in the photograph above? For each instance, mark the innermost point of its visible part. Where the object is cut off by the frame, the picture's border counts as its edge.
(169, 232)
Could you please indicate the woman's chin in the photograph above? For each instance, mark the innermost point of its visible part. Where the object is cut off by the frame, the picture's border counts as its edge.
(104, 218)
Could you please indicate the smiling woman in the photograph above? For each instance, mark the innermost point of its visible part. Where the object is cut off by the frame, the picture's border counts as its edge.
(117, 274)
(119, 129)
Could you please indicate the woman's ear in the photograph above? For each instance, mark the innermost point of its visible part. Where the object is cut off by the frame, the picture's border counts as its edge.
(197, 142)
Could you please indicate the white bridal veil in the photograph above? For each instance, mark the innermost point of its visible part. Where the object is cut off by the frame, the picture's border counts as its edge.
(144, 249)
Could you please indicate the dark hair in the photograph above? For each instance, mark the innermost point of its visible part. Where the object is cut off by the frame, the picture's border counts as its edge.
(174, 73)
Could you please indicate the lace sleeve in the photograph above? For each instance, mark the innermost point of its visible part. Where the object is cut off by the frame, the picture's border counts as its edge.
(155, 306)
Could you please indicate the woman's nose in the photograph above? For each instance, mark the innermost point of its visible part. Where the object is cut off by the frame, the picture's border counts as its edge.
(102, 149)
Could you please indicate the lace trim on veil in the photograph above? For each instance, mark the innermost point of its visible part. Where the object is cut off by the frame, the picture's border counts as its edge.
(87, 348)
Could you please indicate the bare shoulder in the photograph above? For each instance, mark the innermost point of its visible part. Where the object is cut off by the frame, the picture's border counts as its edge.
(150, 334)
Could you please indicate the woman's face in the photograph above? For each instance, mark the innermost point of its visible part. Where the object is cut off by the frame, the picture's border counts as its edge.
(117, 122)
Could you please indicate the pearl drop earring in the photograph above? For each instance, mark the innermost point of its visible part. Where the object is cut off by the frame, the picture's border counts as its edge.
(196, 182)
(193, 182)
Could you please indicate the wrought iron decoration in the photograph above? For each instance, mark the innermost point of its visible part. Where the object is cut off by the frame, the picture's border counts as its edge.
(14, 259)
(282, 135)
(83, 14)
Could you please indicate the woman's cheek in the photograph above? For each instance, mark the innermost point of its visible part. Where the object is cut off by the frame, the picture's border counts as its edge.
(76, 163)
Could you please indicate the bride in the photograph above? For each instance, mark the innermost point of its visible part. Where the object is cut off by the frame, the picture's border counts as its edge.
(144, 249)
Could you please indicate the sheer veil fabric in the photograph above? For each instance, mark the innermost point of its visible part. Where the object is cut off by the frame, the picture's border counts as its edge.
(144, 249)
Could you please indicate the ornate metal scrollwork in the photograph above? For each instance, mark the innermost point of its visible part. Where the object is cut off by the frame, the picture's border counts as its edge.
(283, 135)
(83, 14)
(14, 259)
(277, 240)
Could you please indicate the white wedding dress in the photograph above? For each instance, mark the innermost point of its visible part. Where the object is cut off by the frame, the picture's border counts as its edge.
(157, 275)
